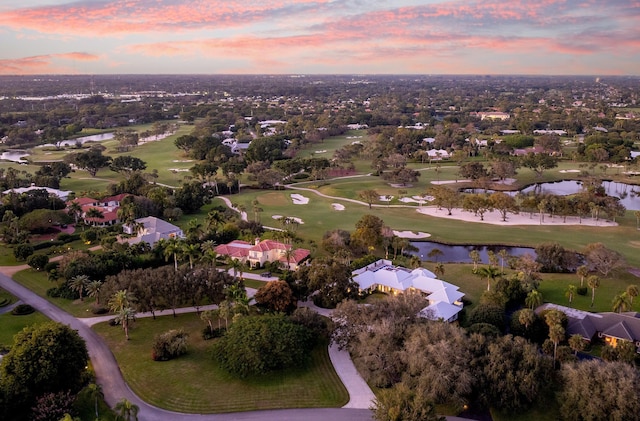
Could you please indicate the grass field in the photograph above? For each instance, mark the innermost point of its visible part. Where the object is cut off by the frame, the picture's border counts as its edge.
(194, 383)
(13, 324)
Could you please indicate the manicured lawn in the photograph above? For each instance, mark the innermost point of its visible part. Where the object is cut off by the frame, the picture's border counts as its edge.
(194, 383)
(38, 283)
(10, 325)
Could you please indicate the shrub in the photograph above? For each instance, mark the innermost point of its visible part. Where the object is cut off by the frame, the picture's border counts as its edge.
(582, 290)
(487, 313)
(257, 345)
(99, 310)
(47, 244)
(22, 310)
(38, 261)
(208, 334)
(170, 345)
(50, 266)
(22, 251)
(62, 291)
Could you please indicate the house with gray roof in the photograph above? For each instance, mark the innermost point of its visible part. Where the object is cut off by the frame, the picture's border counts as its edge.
(151, 230)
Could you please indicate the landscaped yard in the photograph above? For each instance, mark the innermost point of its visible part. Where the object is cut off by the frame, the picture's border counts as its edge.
(194, 383)
(13, 324)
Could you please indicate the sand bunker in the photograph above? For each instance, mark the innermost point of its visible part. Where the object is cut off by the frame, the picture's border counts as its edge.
(417, 199)
(411, 234)
(450, 181)
(388, 198)
(566, 171)
(337, 206)
(178, 169)
(292, 218)
(494, 217)
(299, 199)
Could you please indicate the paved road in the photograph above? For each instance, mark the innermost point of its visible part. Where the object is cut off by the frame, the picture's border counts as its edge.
(110, 378)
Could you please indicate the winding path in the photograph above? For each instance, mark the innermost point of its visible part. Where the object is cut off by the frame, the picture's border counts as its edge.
(115, 388)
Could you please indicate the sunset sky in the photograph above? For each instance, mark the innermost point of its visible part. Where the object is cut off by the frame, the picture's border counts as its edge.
(594, 37)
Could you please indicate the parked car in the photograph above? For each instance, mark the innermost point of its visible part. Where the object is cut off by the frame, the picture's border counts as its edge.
(266, 274)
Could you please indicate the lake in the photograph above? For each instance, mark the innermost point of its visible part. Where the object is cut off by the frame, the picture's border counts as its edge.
(629, 194)
(460, 254)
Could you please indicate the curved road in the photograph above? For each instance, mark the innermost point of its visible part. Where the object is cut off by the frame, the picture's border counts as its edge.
(114, 387)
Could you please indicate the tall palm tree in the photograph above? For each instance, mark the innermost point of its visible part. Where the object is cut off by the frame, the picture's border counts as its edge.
(74, 209)
(120, 304)
(236, 266)
(124, 317)
(632, 291)
(78, 283)
(475, 258)
(194, 230)
(173, 248)
(637, 214)
(570, 293)
(93, 290)
(582, 272)
(490, 273)
(534, 299)
(556, 334)
(95, 392)
(94, 213)
(576, 343)
(621, 302)
(435, 253)
(526, 317)
(192, 251)
(210, 257)
(504, 254)
(493, 259)
(126, 410)
(593, 282)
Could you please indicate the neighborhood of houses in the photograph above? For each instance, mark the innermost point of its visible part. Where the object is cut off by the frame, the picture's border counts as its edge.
(444, 299)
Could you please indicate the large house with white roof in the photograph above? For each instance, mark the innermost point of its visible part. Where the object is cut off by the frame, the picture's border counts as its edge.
(151, 230)
(444, 298)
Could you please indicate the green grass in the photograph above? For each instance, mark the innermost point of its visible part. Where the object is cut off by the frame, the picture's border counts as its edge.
(10, 325)
(194, 383)
(38, 283)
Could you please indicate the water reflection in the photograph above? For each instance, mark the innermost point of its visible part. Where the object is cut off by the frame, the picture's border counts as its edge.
(460, 254)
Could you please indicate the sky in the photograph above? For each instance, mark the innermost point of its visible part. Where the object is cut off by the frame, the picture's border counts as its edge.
(558, 37)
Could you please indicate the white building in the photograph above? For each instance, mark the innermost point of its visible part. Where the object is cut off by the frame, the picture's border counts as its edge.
(444, 298)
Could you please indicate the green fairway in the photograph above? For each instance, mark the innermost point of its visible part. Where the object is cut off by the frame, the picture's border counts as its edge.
(194, 383)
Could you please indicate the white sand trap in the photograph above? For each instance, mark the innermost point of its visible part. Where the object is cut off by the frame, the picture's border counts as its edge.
(506, 181)
(293, 218)
(322, 151)
(178, 169)
(299, 199)
(566, 171)
(386, 198)
(337, 206)
(417, 199)
(183, 160)
(495, 218)
(411, 234)
(450, 181)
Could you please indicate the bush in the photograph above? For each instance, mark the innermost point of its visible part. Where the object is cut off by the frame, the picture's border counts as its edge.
(38, 261)
(487, 313)
(257, 345)
(208, 334)
(50, 266)
(67, 238)
(99, 310)
(22, 251)
(582, 290)
(22, 310)
(63, 291)
(169, 345)
(47, 244)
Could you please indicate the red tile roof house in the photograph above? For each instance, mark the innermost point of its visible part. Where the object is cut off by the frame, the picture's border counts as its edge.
(108, 206)
(260, 252)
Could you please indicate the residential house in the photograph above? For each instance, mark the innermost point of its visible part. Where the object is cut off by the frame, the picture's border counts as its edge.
(151, 230)
(610, 327)
(260, 252)
(108, 207)
(444, 298)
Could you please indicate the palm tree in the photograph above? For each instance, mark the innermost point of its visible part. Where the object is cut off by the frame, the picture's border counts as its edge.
(74, 209)
(434, 254)
(172, 248)
(504, 254)
(439, 270)
(256, 210)
(556, 334)
(95, 392)
(490, 272)
(225, 312)
(582, 272)
(576, 343)
(637, 214)
(493, 259)
(621, 302)
(210, 257)
(93, 290)
(78, 284)
(192, 251)
(475, 258)
(632, 292)
(534, 299)
(236, 265)
(126, 410)
(571, 291)
(194, 229)
(593, 282)
(526, 317)
(94, 213)
(124, 316)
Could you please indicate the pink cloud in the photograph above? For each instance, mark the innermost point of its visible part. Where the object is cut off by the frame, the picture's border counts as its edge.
(41, 64)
